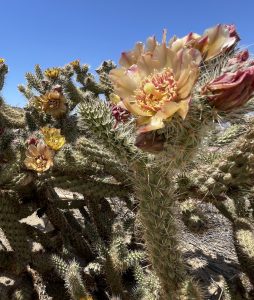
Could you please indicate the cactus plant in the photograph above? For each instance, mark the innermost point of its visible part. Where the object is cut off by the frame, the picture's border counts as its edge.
(110, 163)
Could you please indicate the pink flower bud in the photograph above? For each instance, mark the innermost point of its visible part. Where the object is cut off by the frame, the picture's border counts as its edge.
(119, 113)
(32, 141)
(231, 90)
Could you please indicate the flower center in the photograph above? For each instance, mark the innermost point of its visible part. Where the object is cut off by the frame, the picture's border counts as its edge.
(53, 140)
(41, 162)
(156, 89)
(53, 104)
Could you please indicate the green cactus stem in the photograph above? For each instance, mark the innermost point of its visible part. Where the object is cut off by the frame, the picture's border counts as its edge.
(47, 197)
(244, 245)
(13, 229)
(70, 273)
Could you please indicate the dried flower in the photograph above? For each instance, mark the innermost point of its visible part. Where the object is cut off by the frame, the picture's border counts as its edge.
(52, 103)
(53, 138)
(39, 157)
(158, 85)
(214, 41)
(52, 73)
(237, 62)
(231, 90)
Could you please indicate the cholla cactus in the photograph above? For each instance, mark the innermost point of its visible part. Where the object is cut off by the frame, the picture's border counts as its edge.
(119, 159)
(147, 98)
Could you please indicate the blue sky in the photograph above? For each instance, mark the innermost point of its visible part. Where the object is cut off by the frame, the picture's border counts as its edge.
(55, 32)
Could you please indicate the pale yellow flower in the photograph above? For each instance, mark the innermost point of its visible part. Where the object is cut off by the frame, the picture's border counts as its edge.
(39, 157)
(156, 82)
(2, 60)
(53, 138)
(75, 63)
(52, 103)
(213, 42)
(52, 73)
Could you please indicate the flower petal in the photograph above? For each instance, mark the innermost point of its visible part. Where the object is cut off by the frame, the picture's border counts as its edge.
(131, 57)
(156, 122)
(132, 106)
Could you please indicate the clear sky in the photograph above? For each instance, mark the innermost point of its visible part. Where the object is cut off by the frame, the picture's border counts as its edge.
(55, 32)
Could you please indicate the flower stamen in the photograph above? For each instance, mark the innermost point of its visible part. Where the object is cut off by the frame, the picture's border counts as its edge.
(156, 89)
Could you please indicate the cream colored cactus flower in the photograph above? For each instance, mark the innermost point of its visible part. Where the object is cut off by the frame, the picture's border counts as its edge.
(156, 82)
(39, 157)
(213, 42)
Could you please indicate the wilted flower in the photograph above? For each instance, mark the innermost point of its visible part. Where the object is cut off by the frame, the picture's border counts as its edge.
(237, 62)
(53, 138)
(52, 73)
(214, 41)
(52, 103)
(39, 157)
(231, 90)
(158, 84)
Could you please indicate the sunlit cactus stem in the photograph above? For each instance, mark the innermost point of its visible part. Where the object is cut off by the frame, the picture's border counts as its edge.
(158, 217)
(158, 220)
